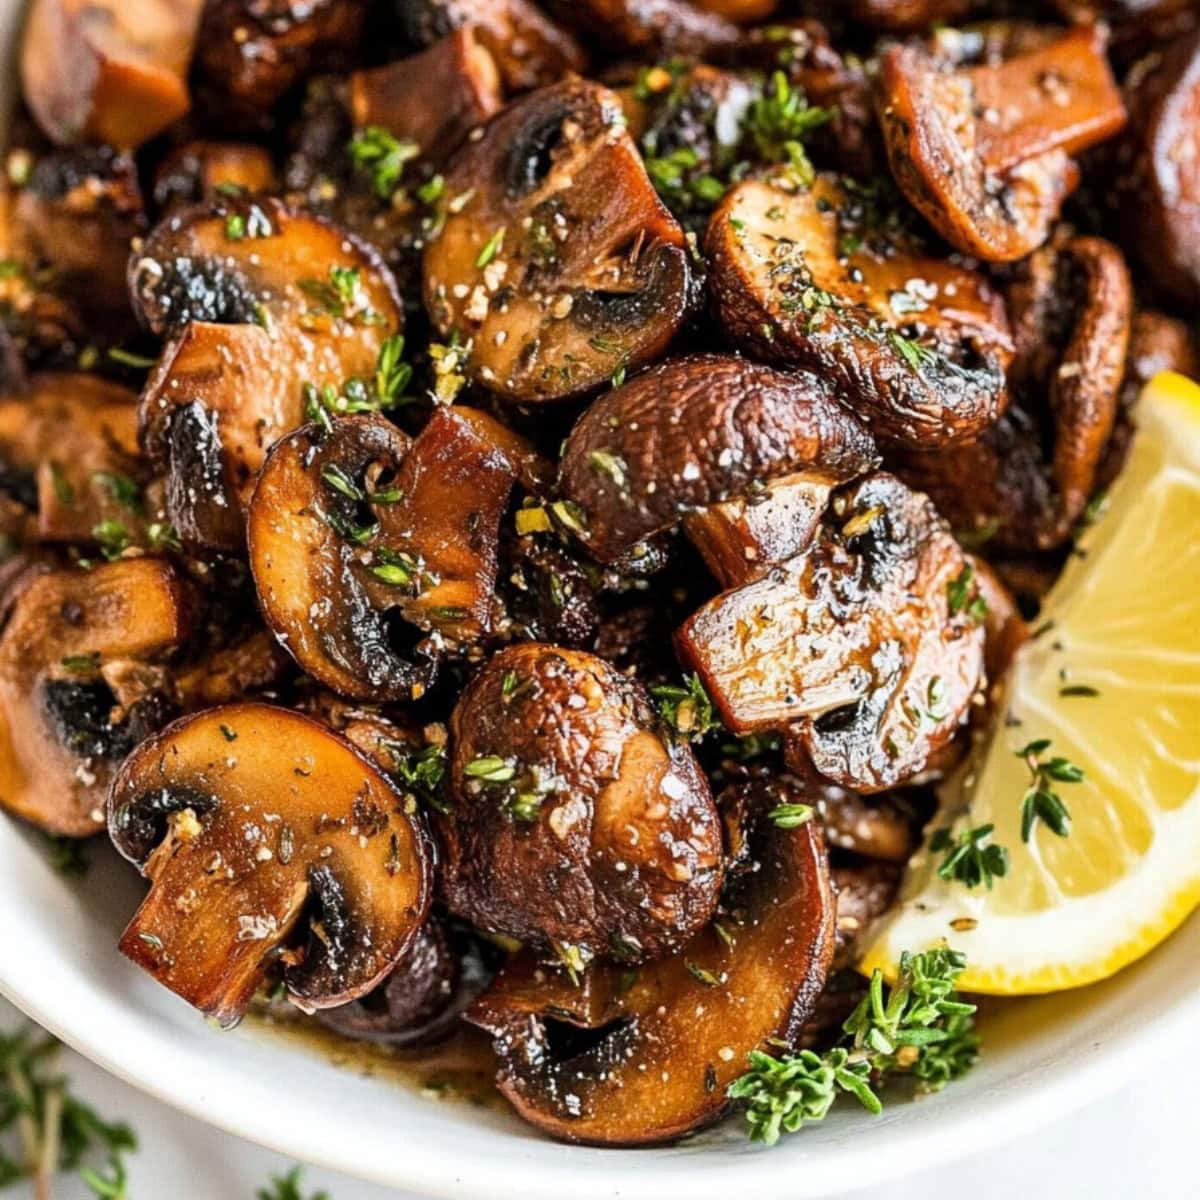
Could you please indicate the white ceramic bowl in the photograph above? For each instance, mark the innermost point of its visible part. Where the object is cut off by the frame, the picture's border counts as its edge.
(58, 962)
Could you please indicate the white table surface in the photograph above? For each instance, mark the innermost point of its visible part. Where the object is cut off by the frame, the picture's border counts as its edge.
(1141, 1144)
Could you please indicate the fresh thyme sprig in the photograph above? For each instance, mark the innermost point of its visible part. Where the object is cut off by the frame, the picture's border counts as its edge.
(780, 120)
(1041, 801)
(287, 1187)
(686, 710)
(970, 856)
(383, 157)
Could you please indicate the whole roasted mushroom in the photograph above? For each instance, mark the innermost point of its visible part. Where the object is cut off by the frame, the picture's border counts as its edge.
(201, 171)
(271, 845)
(619, 1057)
(571, 822)
(822, 279)
(984, 153)
(903, 16)
(557, 262)
(256, 300)
(693, 433)
(855, 647)
(655, 29)
(82, 682)
(107, 71)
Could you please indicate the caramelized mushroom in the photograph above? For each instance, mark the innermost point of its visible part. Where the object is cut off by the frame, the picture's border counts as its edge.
(257, 300)
(201, 171)
(655, 29)
(821, 279)
(877, 829)
(984, 153)
(107, 71)
(81, 684)
(901, 16)
(557, 259)
(572, 824)
(624, 1058)
(269, 842)
(854, 646)
(697, 431)
(741, 12)
(529, 48)
(398, 97)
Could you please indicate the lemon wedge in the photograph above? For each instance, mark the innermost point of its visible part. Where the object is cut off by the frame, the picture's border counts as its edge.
(1112, 681)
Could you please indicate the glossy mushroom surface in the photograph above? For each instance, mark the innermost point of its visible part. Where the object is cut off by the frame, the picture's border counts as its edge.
(270, 844)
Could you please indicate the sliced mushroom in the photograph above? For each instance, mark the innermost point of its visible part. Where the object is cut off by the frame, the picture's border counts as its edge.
(695, 432)
(529, 48)
(1161, 202)
(822, 279)
(903, 16)
(358, 543)
(852, 645)
(878, 829)
(984, 153)
(572, 824)
(656, 29)
(1072, 309)
(106, 71)
(201, 171)
(269, 843)
(251, 53)
(69, 449)
(71, 640)
(632, 1057)
(741, 12)
(557, 260)
(257, 300)
(398, 98)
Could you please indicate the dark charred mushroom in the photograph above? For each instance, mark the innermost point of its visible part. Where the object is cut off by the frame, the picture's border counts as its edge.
(557, 260)
(1071, 312)
(1161, 201)
(572, 824)
(822, 279)
(82, 683)
(109, 72)
(984, 153)
(695, 432)
(398, 97)
(626, 1057)
(529, 48)
(655, 29)
(257, 300)
(201, 171)
(853, 645)
(68, 447)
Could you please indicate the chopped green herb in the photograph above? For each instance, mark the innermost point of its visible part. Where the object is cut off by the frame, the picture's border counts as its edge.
(340, 481)
(235, 227)
(970, 856)
(128, 359)
(490, 249)
(114, 539)
(491, 769)
(82, 663)
(64, 493)
(611, 465)
(287, 1187)
(383, 157)
(913, 353)
(791, 816)
(705, 977)
(125, 491)
(1041, 801)
(780, 120)
(1078, 689)
(420, 771)
(687, 709)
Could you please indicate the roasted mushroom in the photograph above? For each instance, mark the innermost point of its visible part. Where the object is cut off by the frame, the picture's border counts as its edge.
(557, 260)
(1071, 311)
(902, 16)
(855, 646)
(529, 48)
(984, 153)
(201, 171)
(821, 278)
(572, 823)
(619, 1057)
(257, 300)
(106, 71)
(82, 683)
(695, 432)
(360, 545)
(655, 29)
(270, 845)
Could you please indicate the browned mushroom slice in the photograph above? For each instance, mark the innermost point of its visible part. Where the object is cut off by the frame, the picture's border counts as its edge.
(1162, 200)
(258, 300)
(984, 153)
(81, 684)
(1071, 311)
(852, 644)
(68, 446)
(819, 279)
(268, 841)
(556, 260)
(742, 12)
(572, 824)
(398, 98)
(697, 431)
(200, 170)
(111, 72)
(529, 48)
(252, 52)
(620, 1057)
(878, 828)
(651, 28)
(73, 216)
(900, 16)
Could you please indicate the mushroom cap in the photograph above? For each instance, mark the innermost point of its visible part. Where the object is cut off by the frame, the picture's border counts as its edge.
(556, 257)
(590, 831)
(694, 432)
(647, 1056)
(656, 29)
(253, 822)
